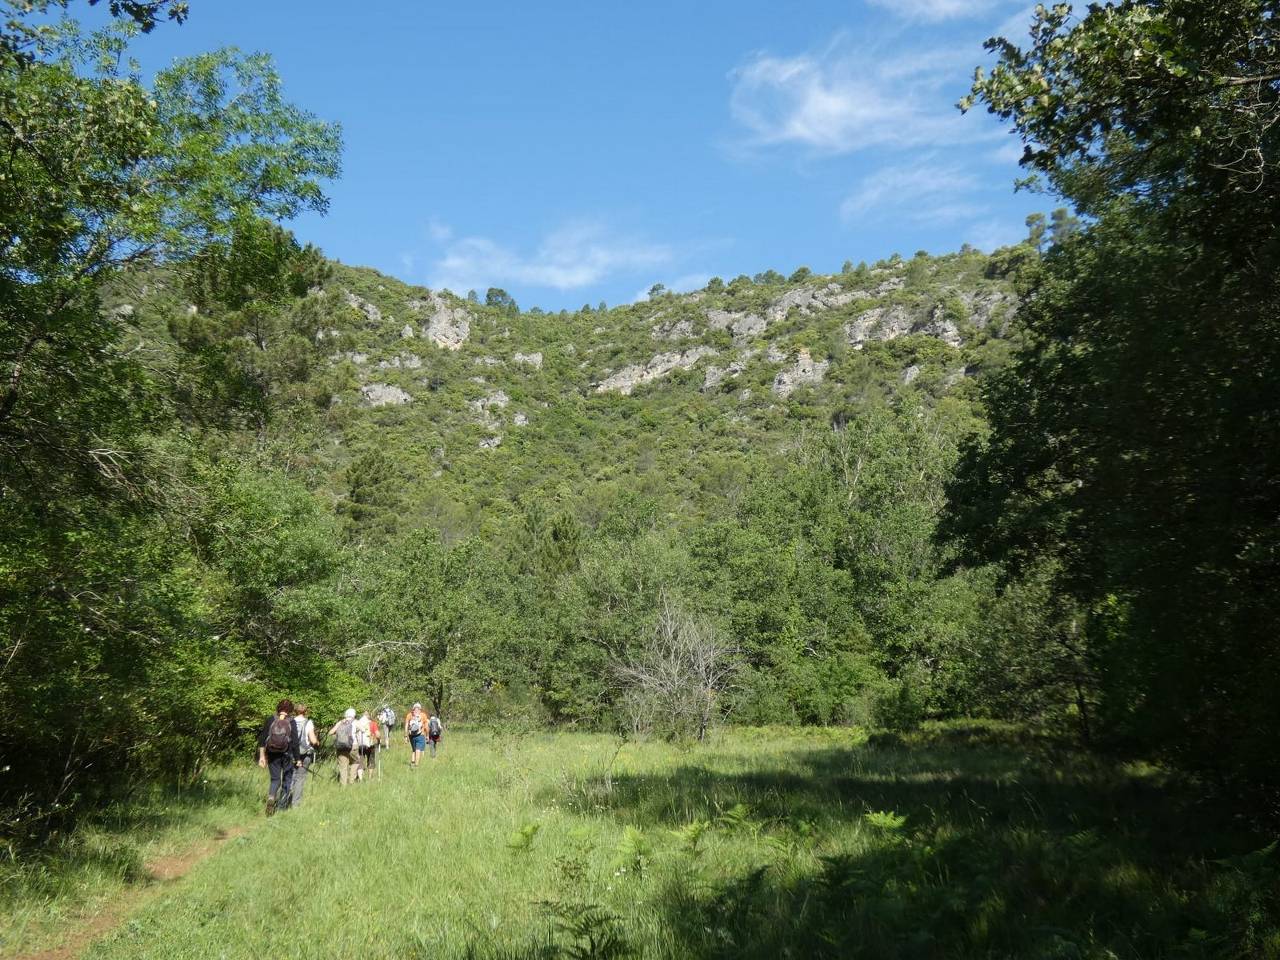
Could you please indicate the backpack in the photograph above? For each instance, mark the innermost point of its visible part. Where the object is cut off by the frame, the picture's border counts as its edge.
(345, 737)
(278, 735)
(304, 742)
(434, 727)
(415, 725)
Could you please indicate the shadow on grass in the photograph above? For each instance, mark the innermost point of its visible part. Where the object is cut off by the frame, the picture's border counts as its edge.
(953, 849)
(108, 843)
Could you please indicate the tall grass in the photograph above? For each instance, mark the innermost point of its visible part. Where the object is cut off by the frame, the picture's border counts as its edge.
(760, 844)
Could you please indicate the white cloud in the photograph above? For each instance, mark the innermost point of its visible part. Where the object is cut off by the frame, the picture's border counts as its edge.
(844, 99)
(1017, 28)
(924, 192)
(575, 256)
(1010, 153)
(935, 10)
(439, 231)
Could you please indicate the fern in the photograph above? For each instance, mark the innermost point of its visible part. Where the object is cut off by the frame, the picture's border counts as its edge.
(736, 816)
(690, 836)
(633, 851)
(885, 820)
(594, 933)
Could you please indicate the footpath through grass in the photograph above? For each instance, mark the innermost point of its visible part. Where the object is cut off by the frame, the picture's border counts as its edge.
(98, 869)
(761, 844)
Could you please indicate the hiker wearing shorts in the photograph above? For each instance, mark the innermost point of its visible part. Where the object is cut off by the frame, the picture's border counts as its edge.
(344, 746)
(278, 753)
(307, 743)
(415, 731)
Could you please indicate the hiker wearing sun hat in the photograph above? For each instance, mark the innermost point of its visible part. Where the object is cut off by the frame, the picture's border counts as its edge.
(344, 746)
(415, 731)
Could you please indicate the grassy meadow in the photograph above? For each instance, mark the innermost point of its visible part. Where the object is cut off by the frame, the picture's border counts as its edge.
(960, 841)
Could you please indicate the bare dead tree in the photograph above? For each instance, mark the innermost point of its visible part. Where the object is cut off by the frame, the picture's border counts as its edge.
(673, 682)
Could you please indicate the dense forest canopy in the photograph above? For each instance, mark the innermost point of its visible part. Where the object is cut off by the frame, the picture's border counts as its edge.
(1037, 483)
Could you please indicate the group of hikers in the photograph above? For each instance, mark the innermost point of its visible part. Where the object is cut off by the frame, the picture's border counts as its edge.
(288, 744)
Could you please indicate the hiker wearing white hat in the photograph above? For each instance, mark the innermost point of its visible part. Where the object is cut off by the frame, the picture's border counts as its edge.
(344, 745)
(415, 731)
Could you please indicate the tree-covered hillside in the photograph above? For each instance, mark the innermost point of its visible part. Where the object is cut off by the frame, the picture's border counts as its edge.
(346, 486)
(421, 409)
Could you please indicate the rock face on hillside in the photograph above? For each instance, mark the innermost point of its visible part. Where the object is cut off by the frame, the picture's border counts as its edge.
(717, 375)
(383, 395)
(371, 313)
(530, 359)
(447, 327)
(988, 306)
(628, 378)
(753, 347)
(942, 327)
(879, 323)
(498, 400)
(672, 329)
(743, 326)
(809, 299)
(804, 370)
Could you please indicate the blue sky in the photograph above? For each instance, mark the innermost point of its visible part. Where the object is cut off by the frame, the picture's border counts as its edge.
(572, 152)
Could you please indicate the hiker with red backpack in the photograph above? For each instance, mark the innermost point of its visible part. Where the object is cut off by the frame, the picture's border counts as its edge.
(278, 752)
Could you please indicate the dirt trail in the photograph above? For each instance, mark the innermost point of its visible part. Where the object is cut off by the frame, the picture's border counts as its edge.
(163, 871)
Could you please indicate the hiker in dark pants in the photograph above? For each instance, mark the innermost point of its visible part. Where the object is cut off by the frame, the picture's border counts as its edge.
(278, 752)
(434, 730)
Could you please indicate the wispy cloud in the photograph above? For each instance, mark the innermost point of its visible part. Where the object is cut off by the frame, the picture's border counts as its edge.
(924, 191)
(1010, 153)
(575, 256)
(1017, 27)
(846, 98)
(936, 10)
(439, 231)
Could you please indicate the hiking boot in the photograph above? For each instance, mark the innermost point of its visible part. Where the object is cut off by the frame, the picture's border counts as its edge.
(271, 806)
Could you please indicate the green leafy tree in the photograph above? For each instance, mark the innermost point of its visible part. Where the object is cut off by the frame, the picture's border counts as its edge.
(498, 298)
(1063, 225)
(1036, 227)
(1133, 446)
(104, 589)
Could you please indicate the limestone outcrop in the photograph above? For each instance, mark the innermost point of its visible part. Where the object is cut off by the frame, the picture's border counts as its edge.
(447, 326)
(384, 395)
(530, 359)
(628, 378)
(371, 312)
(804, 370)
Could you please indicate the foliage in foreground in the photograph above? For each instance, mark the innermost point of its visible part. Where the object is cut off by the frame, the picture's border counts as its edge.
(1134, 452)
